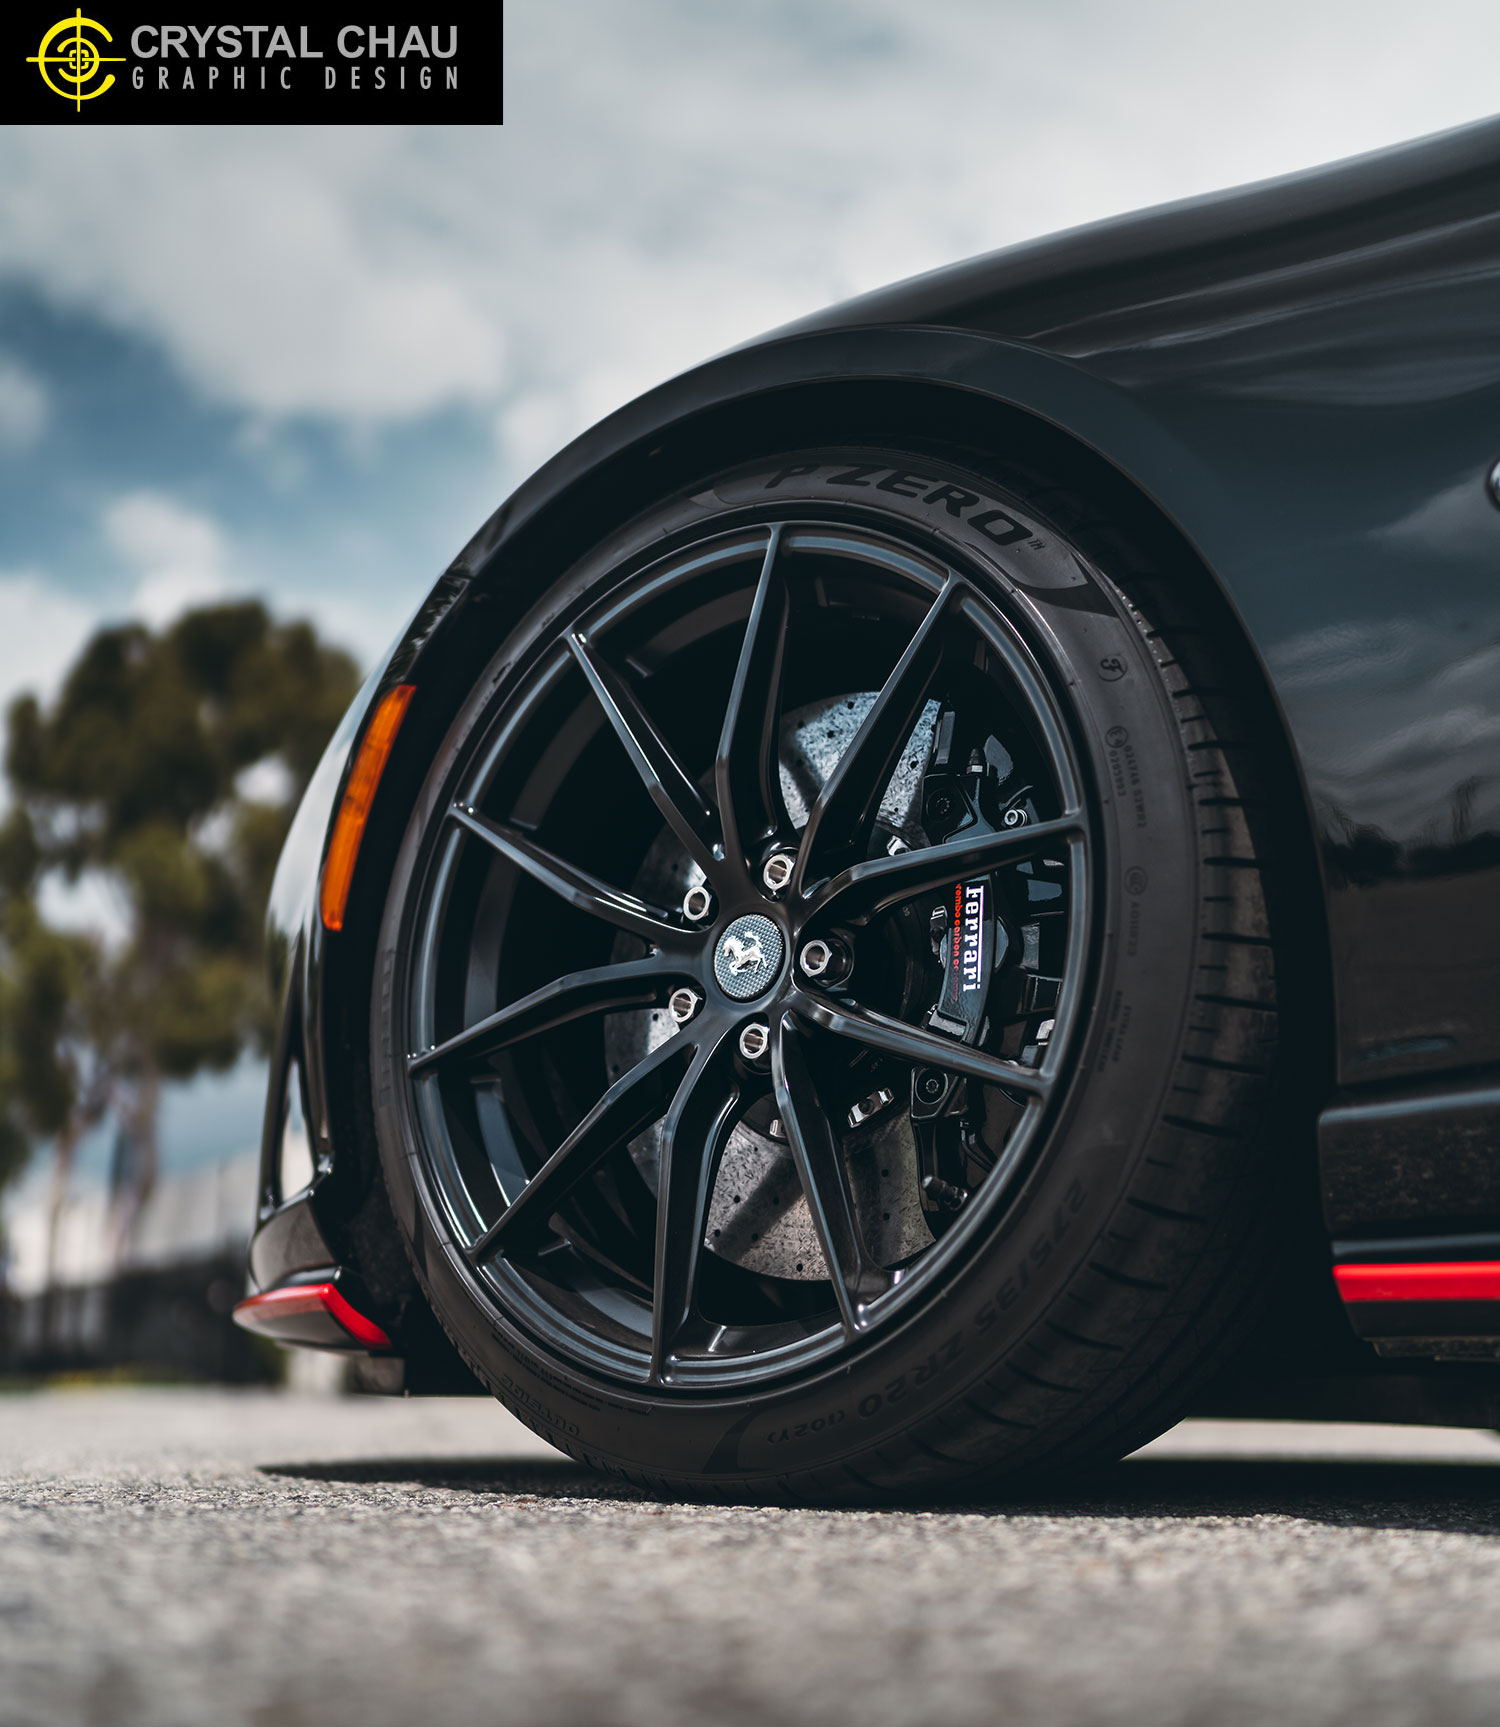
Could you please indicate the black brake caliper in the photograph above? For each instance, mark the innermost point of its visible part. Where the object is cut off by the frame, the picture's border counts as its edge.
(964, 930)
(960, 794)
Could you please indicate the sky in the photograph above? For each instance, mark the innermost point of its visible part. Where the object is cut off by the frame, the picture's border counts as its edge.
(308, 363)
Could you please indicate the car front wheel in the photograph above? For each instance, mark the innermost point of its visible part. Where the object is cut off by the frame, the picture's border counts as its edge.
(826, 997)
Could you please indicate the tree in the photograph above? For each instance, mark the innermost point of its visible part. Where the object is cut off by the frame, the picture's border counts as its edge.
(53, 1030)
(170, 764)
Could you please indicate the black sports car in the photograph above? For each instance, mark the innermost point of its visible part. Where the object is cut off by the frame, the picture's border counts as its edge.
(925, 898)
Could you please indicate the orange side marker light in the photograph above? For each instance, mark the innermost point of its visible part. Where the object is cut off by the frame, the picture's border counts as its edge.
(359, 795)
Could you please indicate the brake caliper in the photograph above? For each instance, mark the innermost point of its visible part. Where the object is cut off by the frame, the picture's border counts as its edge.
(966, 948)
(970, 941)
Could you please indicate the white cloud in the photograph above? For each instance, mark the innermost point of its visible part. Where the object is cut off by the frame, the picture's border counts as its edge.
(178, 554)
(362, 626)
(181, 557)
(42, 627)
(24, 406)
(94, 903)
(268, 781)
(258, 269)
(673, 177)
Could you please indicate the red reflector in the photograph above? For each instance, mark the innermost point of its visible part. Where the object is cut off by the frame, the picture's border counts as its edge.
(261, 1312)
(1471, 1280)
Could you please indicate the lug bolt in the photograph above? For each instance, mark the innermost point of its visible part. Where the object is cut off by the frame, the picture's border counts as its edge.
(824, 961)
(755, 1040)
(777, 871)
(698, 904)
(683, 1003)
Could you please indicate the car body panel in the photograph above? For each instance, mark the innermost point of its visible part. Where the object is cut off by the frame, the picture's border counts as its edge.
(1303, 378)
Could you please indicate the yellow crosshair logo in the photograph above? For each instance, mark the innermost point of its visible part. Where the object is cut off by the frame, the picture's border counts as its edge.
(78, 61)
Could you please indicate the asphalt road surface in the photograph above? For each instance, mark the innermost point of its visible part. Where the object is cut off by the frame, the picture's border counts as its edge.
(211, 1559)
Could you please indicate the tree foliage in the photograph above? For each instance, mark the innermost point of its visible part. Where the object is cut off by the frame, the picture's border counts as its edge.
(168, 768)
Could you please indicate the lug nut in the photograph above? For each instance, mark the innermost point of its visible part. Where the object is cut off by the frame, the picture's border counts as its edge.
(1014, 818)
(755, 1040)
(698, 904)
(777, 871)
(824, 961)
(816, 958)
(683, 1003)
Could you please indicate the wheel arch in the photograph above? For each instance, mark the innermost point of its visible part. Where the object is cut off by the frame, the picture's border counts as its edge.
(997, 401)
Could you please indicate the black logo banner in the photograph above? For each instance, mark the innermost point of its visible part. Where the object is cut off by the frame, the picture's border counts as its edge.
(95, 65)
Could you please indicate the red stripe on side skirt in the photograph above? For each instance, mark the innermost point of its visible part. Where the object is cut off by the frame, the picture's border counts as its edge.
(1471, 1280)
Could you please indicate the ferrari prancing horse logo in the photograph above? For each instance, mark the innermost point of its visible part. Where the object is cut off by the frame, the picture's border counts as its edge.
(748, 957)
(742, 955)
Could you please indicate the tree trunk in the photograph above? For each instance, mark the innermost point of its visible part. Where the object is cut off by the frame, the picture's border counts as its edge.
(140, 1124)
(63, 1148)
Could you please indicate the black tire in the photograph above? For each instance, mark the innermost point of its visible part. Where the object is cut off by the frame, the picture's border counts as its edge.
(1109, 1277)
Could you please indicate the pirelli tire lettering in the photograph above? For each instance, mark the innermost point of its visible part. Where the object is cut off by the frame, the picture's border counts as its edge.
(997, 525)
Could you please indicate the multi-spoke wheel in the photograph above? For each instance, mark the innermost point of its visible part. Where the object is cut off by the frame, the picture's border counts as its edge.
(795, 1056)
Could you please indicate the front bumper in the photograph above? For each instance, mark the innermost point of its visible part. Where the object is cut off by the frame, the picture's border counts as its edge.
(314, 1310)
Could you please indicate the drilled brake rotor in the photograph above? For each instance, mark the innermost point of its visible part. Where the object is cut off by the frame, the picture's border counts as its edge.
(758, 1217)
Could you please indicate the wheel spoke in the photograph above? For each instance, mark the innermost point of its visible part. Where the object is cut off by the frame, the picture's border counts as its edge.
(867, 888)
(632, 1103)
(916, 1044)
(665, 779)
(603, 989)
(697, 1126)
(746, 776)
(841, 819)
(819, 1159)
(576, 886)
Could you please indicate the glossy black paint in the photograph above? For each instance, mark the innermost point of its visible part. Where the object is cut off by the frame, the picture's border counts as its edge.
(1301, 380)
(1404, 1160)
(1328, 346)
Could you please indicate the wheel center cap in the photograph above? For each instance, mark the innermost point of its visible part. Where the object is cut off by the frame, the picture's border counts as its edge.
(747, 960)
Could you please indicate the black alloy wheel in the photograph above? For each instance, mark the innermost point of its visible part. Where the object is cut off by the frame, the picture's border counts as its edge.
(742, 985)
